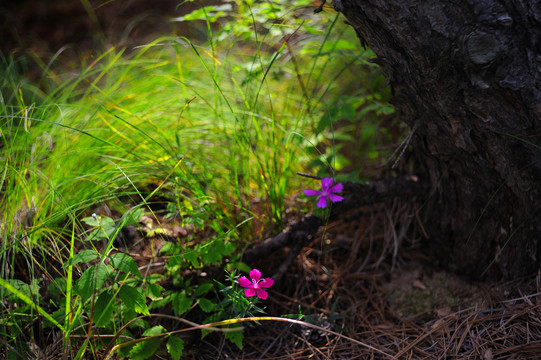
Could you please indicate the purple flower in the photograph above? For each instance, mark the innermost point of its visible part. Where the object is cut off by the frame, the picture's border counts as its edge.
(327, 191)
(254, 286)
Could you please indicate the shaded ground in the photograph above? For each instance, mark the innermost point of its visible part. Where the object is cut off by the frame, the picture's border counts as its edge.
(43, 28)
(382, 293)
(364, 276)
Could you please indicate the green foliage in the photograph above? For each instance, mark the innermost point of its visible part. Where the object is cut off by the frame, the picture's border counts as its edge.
(208, 135)
(93, 277)
(175, 346)
(145, 349)
(233, 304)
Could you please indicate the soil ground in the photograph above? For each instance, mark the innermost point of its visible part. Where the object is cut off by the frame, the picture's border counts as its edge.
(46, 27)
(364, 277)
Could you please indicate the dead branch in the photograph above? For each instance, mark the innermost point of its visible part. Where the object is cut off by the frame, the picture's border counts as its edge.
(355, 196)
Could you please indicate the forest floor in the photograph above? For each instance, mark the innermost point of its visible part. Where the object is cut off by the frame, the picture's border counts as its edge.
(364, 278)
(373, 295)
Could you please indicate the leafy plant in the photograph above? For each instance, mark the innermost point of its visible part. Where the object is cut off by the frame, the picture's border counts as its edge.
(234, 305)
(207, 134)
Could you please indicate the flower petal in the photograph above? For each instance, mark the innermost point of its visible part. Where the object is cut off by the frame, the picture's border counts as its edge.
(249, 292)
(337, 188)
(322, 202)
(336, 198)
(244, 282)
(262, 294)
(311, 192)
(266, 283)
(326, 183)
(255, 275)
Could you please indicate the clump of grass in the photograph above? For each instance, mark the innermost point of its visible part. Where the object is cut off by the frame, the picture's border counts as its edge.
(208, 133)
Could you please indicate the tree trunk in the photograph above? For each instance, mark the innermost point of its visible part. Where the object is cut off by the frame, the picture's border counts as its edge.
(466, 76)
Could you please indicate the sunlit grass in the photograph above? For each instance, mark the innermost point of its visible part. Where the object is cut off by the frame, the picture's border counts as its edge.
(225, 133)
(211, 133)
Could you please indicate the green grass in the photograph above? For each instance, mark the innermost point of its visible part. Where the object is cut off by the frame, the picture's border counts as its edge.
(212, 134)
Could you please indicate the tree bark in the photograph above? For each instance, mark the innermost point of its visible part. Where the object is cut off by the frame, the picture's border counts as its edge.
(466, 76)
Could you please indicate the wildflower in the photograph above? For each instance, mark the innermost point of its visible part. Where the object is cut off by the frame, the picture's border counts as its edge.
(254, 286)
(327, 191)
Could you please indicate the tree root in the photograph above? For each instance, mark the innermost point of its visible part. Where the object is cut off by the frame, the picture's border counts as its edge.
(356, 195)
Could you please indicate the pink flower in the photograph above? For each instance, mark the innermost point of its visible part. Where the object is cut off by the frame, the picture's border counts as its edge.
(254, 286)
(327, 191)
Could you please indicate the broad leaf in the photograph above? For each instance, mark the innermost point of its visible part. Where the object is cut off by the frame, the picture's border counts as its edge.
(133, 299)
(105, 227)
(132, 216)
(91, 280)
(125, 263)
(175, 346)
(168, 297)
(82, 257)
(211, 255)
(57, 288)
(202, 289)
(206, 305)
(192, 255)
(235, 337)
(154, 291)
(181, 303)
(145, 349)
(103, 309)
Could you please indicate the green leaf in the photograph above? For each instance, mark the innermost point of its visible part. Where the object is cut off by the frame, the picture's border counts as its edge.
(325, 120)
(212, 13)
(175, 346)
(169, 296)
(105, 229)
(154, 278)
(57, 288)
(181, 303)
(212, 318)
(133, 299)
(211, 257)
(347, 111)
(235, 337)
(213, 252)
(145, 349)
(205, 304)
(193, 257)
(197, 220)
(91, 280)
(202, 289)
(99, 221)
(132, 216)
(16, 284)
(82, 257)
(226, 248)
(210, 254)
(29, 301)
(125, 263)
(103, 309)
(170, 248)
(139, 323)
(124, 351)
(91, 221)
(368, 132)
(243, 267)
(154, 291)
